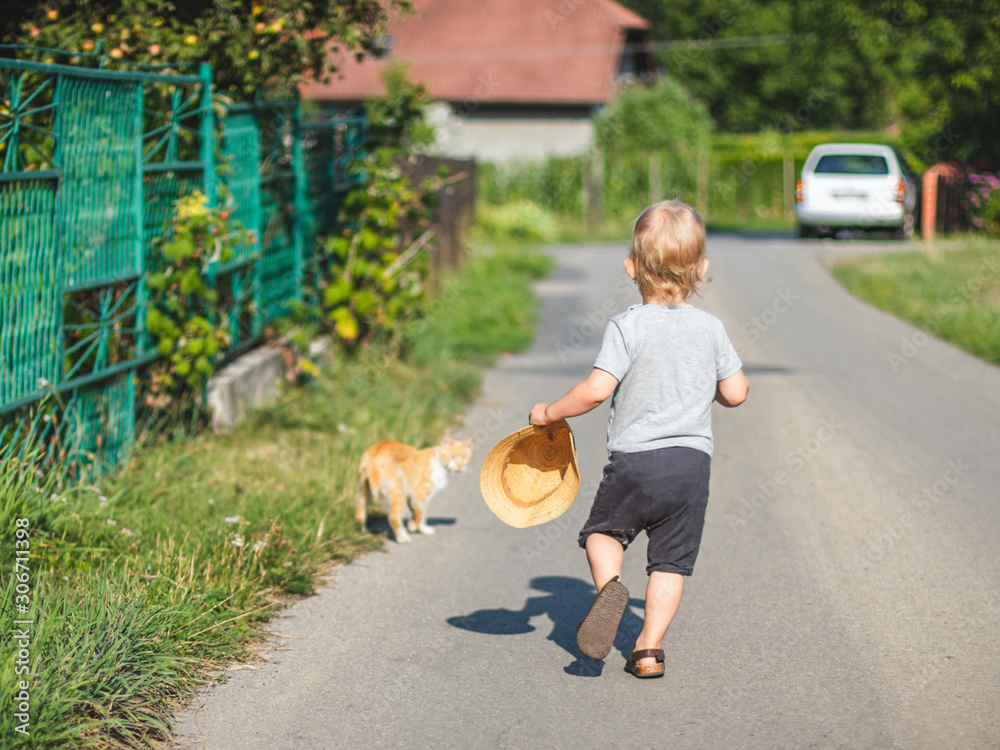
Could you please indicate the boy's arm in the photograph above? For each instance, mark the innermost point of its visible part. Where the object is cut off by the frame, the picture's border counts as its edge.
(581, 398)
(733, 390)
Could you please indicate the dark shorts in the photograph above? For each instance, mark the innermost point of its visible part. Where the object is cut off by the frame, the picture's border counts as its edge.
(665, 493)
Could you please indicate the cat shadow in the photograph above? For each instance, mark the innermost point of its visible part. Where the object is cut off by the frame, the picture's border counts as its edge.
(377, 523)
(566, 602)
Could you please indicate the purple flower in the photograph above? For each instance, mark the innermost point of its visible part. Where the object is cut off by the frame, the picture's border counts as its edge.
(974, 178)
(978, 222)
(975, 199)
(994, 182)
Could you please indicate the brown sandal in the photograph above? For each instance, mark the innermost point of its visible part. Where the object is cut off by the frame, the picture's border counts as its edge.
(595, 635)
(632, 666)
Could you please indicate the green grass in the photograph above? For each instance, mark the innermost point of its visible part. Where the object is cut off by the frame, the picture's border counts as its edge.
(953, 294)
(750, 224)
(144, 582)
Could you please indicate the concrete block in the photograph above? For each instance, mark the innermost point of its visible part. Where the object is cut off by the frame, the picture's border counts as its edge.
(251, 381)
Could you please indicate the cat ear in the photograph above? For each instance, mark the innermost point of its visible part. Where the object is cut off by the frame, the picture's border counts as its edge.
(446, 438)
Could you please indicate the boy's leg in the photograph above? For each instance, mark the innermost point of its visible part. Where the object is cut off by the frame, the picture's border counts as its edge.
(606, 556)
(663, 597)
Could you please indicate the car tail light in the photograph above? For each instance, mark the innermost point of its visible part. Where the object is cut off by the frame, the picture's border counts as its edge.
(799, 191)
(901, 190)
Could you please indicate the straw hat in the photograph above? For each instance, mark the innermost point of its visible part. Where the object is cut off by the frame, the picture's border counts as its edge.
(531, 476)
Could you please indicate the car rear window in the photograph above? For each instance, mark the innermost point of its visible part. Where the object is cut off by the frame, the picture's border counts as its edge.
(852, 164)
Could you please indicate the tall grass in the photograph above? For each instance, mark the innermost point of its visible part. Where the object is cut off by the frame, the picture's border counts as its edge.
(953, 294)
(143, 582)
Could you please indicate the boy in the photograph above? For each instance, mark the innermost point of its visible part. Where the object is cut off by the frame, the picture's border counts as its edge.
(665, 362)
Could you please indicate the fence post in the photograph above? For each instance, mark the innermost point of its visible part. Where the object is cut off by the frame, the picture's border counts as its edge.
(301, 200)
(703, 181)
(139, 240)
(594, 187)
(654, 178)
(207, 133)
(788, 186)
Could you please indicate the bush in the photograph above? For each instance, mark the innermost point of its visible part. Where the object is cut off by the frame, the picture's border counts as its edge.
(984, 203)
(520, 221)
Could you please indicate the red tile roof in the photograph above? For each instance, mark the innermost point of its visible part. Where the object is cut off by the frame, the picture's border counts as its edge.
(493, 51)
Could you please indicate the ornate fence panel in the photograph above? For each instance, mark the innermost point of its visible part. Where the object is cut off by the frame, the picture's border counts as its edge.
(287, 178)
(92, 160)
(331, 152)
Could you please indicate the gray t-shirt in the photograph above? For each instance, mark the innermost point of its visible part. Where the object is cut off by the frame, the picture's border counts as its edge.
(667, 361)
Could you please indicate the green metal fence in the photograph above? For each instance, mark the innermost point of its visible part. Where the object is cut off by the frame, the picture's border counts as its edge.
(92, 162)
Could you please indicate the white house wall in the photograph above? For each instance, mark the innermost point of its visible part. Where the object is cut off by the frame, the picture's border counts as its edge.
(505, 139)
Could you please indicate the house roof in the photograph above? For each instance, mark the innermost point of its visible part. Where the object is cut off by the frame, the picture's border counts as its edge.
(496, 51)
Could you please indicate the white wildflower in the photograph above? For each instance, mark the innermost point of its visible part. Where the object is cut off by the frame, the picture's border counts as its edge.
(233, 519)
(237, 540)
(112, 522)
(211, 501)
(259, 545)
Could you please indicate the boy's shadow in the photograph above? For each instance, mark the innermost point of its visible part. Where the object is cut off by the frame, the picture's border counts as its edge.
(566, 603)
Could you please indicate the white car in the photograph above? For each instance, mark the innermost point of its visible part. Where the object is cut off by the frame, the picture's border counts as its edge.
(857, 186)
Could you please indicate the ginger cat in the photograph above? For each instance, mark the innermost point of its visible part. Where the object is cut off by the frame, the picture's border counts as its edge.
(396, 473)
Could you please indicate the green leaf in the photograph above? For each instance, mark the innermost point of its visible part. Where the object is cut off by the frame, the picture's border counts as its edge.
(178, 249)
(365, 302)
(338, 292)
(369, 240)
(345, 324)
(191, 282)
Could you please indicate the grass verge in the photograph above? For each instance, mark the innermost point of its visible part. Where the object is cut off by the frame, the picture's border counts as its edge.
(140, 585)
(953, 294)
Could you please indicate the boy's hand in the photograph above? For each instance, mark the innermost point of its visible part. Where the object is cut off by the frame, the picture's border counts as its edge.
(537, 416)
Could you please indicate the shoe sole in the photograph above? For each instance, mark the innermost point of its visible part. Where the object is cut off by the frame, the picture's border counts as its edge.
(596, 633)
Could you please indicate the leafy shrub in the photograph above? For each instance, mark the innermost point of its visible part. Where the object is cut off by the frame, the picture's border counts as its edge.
(984, 203)
(519, 221)
(184, 318)
(379, 261)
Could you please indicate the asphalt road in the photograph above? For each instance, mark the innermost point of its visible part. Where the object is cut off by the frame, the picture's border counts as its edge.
(848, 589)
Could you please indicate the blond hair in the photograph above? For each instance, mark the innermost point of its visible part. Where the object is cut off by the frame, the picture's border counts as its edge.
(668, 248)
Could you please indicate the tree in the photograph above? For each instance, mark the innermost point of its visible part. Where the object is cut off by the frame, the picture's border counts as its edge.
(254, 46)
(930, 67)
